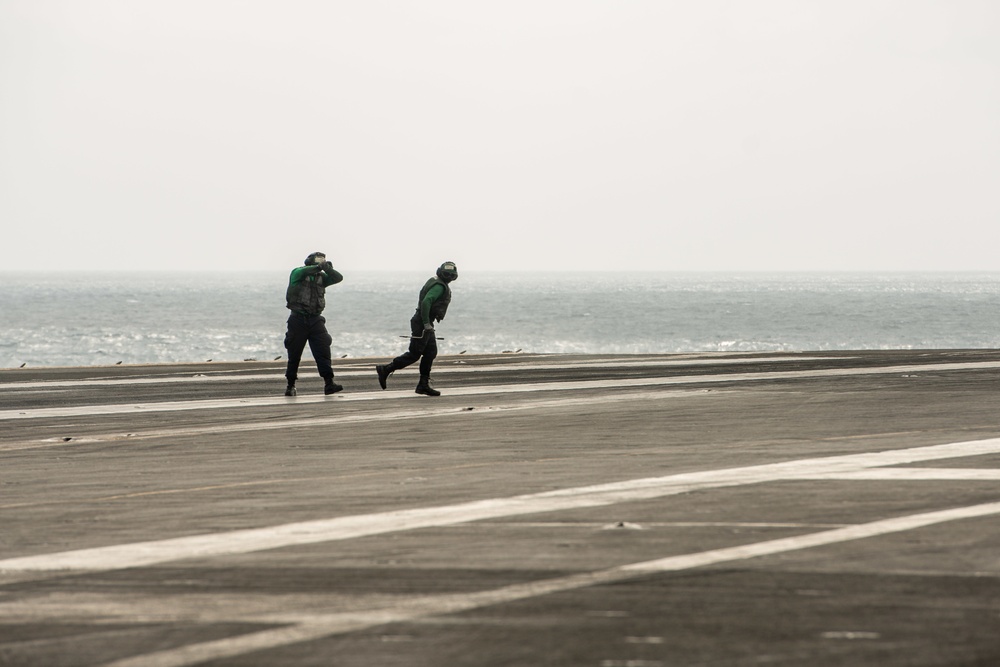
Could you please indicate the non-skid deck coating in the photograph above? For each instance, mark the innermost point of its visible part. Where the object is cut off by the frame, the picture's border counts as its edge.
(821, 508)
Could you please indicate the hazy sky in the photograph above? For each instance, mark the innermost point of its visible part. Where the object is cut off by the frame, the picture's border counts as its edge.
(536, 134)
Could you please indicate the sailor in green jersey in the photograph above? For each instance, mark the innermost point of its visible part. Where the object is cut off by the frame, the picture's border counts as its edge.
(306, 298)
(432, 305)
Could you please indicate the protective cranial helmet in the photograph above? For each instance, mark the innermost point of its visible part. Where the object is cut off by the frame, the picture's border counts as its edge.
(448, 272)
(311, 259)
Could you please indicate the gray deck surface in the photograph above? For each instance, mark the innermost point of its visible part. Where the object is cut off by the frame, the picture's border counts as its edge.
(835, 508)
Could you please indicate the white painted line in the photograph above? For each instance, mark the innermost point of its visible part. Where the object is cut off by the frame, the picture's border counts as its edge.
(430, 409)
(834, 536)
(443, 367)
(407, 610)
(492, 525)
(348, 527)
(583, 385)
(912, 474)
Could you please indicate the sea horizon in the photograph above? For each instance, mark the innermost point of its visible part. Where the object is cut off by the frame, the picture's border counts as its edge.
(107, 317)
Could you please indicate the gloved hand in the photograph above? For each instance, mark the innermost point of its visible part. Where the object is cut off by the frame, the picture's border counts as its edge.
(327, 267)
(428, 330)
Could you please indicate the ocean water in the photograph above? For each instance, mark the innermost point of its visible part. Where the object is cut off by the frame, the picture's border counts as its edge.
(49, 319)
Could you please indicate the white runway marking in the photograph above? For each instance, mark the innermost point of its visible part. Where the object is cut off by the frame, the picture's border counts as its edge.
(443, 367)
(583, 385)
(324, 625)
(306, 626)
(912, 474)
(348, 527)
(432, 409)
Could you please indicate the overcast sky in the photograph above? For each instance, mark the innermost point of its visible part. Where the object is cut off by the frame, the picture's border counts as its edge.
(521, 135)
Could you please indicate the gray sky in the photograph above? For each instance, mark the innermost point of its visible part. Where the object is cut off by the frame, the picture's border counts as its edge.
(522, 135)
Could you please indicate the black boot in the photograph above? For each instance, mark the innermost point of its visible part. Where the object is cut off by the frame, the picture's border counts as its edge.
(331, 387)
(424, 387)
(383, 373)
(290, 390)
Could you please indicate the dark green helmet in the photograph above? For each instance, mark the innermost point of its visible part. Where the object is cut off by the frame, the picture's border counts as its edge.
(448, 272)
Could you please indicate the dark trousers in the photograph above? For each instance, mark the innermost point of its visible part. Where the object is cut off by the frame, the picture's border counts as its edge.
(422, 347)
(310, 329)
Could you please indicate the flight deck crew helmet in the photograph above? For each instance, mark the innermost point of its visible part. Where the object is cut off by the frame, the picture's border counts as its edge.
(311, 259)
(448, 272)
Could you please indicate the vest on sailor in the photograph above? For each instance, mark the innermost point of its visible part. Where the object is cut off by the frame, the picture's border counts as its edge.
(307, 296)
(440, 307)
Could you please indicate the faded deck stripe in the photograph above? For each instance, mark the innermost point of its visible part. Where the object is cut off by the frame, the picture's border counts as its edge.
(141, 554)
(583, 385)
